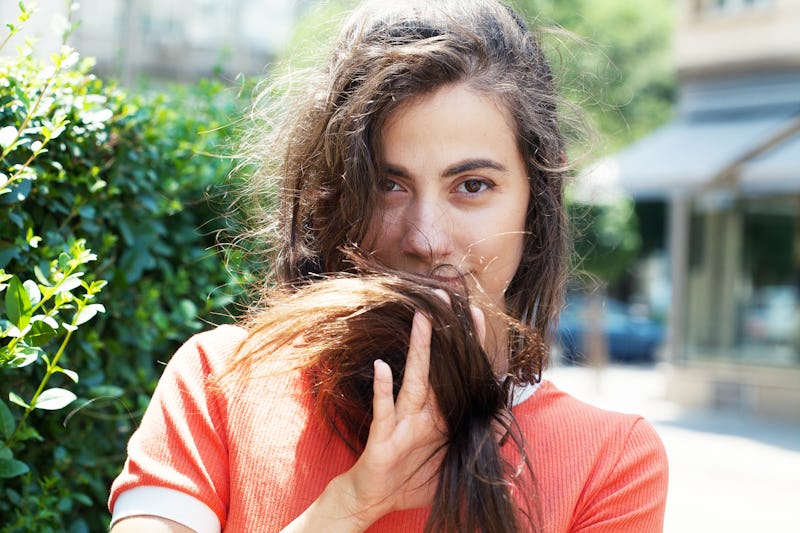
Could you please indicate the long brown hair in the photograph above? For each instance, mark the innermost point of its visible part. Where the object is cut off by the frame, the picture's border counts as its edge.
(317, 176)
(336, 328)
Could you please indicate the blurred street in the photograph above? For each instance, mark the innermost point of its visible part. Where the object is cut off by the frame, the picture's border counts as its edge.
(728, 472)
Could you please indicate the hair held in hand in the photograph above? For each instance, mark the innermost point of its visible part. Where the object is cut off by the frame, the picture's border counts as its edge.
(337, 327)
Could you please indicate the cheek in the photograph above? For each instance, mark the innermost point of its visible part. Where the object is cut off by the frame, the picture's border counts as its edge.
(498, 253)
(378, 235)
(510, 247)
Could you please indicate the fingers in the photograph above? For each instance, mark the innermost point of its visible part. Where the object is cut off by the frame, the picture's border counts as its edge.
(383, 416)
(443, 295)
(414, 390)
(479, 319)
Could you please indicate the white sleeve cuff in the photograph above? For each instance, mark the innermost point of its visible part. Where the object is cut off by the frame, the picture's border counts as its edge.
(166, 503)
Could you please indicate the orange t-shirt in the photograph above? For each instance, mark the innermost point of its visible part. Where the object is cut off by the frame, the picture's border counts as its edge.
(254, 457)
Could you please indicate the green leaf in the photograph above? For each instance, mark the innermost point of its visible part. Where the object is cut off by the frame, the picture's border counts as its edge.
(33, 240)
(5, 353)
(82, 498)
(7, 136)
(54, 399)
(18, 191)
(71, 374)
(97, 286)
(34, 294)
(29, 433)
(12, 468)
(25, 355)
(18, 304)
(106, 391)
(64, 505)
(88, 312)
(15, 399)
(37, 271)
(43, 329)
(7, 252)
(80, 525)
(72, 282)
(6, 420)
(23, 98)
(5, 451)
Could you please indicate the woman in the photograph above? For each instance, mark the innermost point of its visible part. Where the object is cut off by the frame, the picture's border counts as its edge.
(393, 382)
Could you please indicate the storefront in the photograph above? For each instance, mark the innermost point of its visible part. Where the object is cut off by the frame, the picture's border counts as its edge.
(728, 168)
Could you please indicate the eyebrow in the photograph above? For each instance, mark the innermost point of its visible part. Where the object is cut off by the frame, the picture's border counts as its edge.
(458, 168)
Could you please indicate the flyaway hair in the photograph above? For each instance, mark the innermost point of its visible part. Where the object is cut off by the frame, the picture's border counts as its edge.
(340, 325)
(317, 196)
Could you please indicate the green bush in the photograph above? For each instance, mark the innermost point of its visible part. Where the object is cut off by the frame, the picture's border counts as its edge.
(606, 241)
(104, 215)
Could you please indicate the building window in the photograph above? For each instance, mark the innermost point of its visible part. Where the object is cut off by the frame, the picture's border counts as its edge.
(729, 6)
(744, 282)
(769, 301)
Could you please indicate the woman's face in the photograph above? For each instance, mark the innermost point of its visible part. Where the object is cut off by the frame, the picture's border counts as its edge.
(455, 192)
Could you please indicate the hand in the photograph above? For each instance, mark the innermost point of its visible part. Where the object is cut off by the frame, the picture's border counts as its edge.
(399, 466)
(400, 463)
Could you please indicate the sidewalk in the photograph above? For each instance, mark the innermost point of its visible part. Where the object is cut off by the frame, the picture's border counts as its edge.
(729, 472)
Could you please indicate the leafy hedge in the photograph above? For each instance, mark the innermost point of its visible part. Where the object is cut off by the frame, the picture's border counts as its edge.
(107, 262)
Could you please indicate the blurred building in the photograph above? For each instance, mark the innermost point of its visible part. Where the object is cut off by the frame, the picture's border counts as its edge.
(168, 39)
(728, 170)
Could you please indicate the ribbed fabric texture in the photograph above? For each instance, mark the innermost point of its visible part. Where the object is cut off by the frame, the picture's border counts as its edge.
(257, 456)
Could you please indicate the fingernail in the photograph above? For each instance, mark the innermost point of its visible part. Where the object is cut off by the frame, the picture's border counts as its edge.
(476, 311)
(443, 295)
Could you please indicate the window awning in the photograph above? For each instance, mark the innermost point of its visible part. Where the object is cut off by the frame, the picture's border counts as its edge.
(689, 153)
(775, 171)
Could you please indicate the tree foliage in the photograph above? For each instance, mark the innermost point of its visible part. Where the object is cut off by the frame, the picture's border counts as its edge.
(614, 62)
(107, 262)
(606, 240)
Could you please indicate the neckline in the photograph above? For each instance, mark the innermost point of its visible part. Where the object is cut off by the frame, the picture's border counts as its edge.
(521, 393)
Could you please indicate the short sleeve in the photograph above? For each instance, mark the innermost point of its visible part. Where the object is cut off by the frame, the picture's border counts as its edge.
(631, 495)
(181, 442)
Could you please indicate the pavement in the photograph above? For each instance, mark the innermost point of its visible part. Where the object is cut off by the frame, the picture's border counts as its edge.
(729, 472)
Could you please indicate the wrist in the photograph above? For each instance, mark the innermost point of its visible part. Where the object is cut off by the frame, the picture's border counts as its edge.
(336, 509)
(343, 498)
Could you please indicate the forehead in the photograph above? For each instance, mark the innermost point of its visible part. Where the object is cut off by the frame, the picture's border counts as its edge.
(452, 121)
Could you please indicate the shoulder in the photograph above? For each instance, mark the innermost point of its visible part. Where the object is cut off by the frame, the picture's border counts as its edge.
(565, 416)
(608, 467)
(225, 339)
(207, 352)
(558, 420)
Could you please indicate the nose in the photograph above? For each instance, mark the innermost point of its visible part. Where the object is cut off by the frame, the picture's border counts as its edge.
(428, 233)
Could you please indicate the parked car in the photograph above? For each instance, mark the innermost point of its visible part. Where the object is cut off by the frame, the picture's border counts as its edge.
(632, 335)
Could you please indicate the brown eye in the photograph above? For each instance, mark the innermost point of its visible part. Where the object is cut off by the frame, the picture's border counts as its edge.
(473, 186)
(389, 186)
